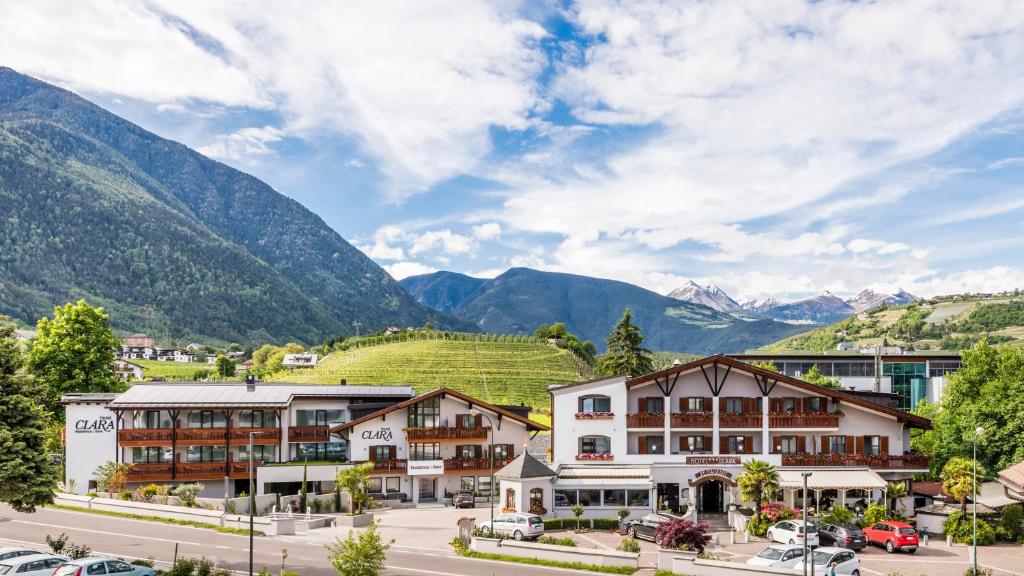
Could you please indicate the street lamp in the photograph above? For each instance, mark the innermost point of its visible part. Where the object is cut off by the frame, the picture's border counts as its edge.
(974, 497)
(805, 475)
(490, 457)
(252, 498)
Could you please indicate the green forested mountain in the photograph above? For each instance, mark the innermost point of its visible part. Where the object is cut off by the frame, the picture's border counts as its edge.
(169, 241)
(521, 299)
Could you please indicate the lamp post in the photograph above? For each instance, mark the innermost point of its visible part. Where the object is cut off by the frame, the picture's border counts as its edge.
(252, 499)
(974, 498)
(805, 475)
(490, 457)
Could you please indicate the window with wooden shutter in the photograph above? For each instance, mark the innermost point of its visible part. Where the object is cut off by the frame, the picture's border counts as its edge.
(884, 440)
(801, 445)
(776, 446)
(849, 445)
(825, 445)
(641, 445)
(373, 453)
(708, 440)
(859, 446)
(748, 445)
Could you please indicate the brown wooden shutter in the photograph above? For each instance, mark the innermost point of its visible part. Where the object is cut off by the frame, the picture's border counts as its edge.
(642, 408)
(373, 453)
(707, 404)
(776, 442)
(683, 403)
(859, 446)
(883, 444)
(641, 447)
(801, 444)
(478, 451)
(849, 444)
(798, 405)
(683, 446)
(478, 420)
(775, 405)
(825, 445)
(723, 444)
(708, 441)
(748, 445)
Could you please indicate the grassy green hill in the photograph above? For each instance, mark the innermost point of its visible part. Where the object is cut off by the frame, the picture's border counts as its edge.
(941, 323)
(174, 371)
(495, 371)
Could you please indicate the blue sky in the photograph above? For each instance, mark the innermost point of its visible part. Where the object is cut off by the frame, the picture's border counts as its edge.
(776, 149)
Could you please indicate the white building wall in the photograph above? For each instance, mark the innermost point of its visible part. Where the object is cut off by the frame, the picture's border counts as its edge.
(91, 440)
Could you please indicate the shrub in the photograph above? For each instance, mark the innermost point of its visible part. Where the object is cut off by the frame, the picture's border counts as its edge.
(958, 525)
(317, 505)
(557, 541)
(683, 534)
(622, 513)
(126, 495)
(838, 515)
(873, 514)
(188, 494)
(759, 527)
(979, 572)
(778, 511)
(148, 562)
(360, 554)
(1011, 520)
(605, 523)
(196, 567)
(629, 545)
(62, 546)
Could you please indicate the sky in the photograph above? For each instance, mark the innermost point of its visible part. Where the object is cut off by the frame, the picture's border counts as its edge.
(773, 148)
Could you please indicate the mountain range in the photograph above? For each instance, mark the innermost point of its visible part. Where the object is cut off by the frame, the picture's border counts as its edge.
(521, 299)
(824, 308)
(167, 240)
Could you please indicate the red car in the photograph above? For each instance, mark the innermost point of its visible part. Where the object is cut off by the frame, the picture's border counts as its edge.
(893, 535)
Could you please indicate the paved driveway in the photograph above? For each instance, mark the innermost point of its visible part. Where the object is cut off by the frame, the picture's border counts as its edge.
(413, 528)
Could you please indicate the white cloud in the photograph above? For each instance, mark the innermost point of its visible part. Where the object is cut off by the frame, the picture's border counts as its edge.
(404, 269)
(985, 209)
(243, 143)
(991, 279)
(445, 240)
(382, 248)
(862, 245)
(488, 231)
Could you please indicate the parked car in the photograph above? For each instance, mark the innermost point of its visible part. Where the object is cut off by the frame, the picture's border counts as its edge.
(14, 552)
(464, 499)
(792, 532)
(777, 554)
(893, 535)
(841, 536)
(646, 526)
(31, 564)
(98, 566)
(847, 561)
(518, 526)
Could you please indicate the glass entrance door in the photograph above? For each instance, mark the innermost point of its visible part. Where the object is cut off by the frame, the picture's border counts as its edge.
(428, 489)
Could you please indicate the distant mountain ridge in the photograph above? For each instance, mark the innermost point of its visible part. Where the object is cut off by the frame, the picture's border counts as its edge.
(521, 299)
(169, 241)
(711, 296)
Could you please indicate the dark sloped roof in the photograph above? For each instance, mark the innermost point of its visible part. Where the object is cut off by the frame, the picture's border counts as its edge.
(524, 466)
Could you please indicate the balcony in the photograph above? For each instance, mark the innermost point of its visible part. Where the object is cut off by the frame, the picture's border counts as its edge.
(595, 415)
(882, 461)
(447, 433)
(145, 436)
(166, 471)
(692, 420)
(473, 464)
(202, 436)
(150, 472)
(810, 420)
(645, 420)
(751, 420)
(309, 434)
(385, 465)
(595, 457)
(264, 435)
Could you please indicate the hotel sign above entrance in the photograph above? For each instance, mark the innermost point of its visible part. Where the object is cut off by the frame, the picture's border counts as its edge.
(712, 460)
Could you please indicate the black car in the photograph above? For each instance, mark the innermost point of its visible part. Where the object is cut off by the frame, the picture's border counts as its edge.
(842, 536)
(464, 499)
(646, 526)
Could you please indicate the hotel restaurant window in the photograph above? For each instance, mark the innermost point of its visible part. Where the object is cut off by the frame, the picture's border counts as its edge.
(327, 451)
(595, 404)
(425, 413)
(425, 451)
(595, 445)
(614, 497)
(206, 454)
(589, 498)
(206, 419)
(152, 454)
(257, 419)
(566, 498)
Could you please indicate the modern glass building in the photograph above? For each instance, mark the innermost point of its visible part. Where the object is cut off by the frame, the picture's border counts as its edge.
(909, 382)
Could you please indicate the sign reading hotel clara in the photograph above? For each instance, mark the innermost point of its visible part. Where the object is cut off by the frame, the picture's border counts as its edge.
(94, 425)
(712, 460)
(378, 434)
(712, 472)
(422, 467)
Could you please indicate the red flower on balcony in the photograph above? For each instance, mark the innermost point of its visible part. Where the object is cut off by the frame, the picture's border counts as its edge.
(594, 456)
(595, 415)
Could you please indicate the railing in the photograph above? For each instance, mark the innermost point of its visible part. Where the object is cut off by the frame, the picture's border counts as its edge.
(309, 434)
(691, 420)
(885, 461)
(447, 433)
(199, 470)
(148, 471)
(154, 435)
(595, 415)
(159, 471)
(810, 420)
(645, 420)
(385, 465)
(739, 420)
(457, 464)
(263, 435)
(186, 435)
(595, 456)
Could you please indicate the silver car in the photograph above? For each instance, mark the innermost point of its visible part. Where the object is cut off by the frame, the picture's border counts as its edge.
(99, 566)
(31, 565)
(846, 561)
(9, 552)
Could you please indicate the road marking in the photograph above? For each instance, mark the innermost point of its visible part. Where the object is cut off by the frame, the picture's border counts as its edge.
(150, 522)
(58, 526)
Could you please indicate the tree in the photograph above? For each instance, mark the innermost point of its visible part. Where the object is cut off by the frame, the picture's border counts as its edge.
(682, 534)
(225, 367)
(262, 354)
(896, 492)
(27, 476)
(958, 480)
(304, 492)
(924, 441)
(74, 352)
(625, 354)
(758, 481)
(360, 554)
(768, 365)
(353, 481)
(814, 376)
(111, 476)
(234, 347)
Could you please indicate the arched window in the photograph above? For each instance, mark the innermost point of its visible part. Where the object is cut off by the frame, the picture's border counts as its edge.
(537, 501)
(595, 403)
(510, 500)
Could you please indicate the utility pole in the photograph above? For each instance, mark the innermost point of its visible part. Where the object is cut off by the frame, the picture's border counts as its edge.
(805, 475)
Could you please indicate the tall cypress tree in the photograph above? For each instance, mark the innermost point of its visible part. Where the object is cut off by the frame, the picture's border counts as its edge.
(27, 477)
(626, 355)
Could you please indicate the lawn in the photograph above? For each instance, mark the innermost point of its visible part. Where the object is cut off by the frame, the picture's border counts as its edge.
(174, 371)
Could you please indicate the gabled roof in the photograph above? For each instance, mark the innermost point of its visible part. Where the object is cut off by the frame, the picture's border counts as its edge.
(530, 424)
(1013, 477)
(525, 466)
(723, 360)
(237, 394)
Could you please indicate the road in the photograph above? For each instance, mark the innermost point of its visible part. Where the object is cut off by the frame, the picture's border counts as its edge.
(140, 539)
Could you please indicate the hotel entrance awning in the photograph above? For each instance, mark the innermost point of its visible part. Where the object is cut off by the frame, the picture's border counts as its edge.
(845, 479)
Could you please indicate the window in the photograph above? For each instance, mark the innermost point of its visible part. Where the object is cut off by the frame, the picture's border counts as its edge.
(595, 404)
(425, 413)
(510, 499)
(466, 421)
(483, 484)
(425, 451)
(152, 419)
(695, 405)
(872, 445)
(652, 405)
(383, 453)
(814, 405)
(737, 445)
(467, 483)
(787, 445)
(733, 405)
(319, 417)
(328, 451)
(259, 453)
(468, 451)
(537, 500)
(615, 498)
(206, 454)
(638, 498)
(206, 419)
(695, 444)
(837, 444)
(590, 498)
(97, 568)
(375, 485)
(116, 567)
(394, 484)
(257, 419)
(594, 445)
(152, 454)
(502, 451)
(565, 498)
(938, 369)
(789, 404)
(653, 444)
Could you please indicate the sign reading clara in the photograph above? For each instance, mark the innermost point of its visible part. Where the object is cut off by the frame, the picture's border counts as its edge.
(378, 434)
(419, 467)
(97, 425)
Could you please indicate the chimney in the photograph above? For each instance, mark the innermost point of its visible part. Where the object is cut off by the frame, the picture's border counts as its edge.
(343, 382)
(250, 383)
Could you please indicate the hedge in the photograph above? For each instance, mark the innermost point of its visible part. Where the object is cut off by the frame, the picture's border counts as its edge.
(570, 523)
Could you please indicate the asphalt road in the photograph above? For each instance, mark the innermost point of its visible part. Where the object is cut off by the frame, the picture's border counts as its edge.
(140, 539)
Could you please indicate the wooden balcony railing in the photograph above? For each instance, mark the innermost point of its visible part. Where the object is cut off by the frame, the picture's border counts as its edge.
(309, 434)
(165, 471)
(447, 433)
(386, 465)
(739, 420)
(264, 435)
(883, 461)
(645, 420)
(478, 464)
(145, 436)
(199, 470)
(202, 436)
(150, 471)
(810, 420)
(691, 420)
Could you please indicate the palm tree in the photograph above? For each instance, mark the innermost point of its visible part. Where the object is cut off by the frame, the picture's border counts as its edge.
(757, 482)
(896, 491)
(958, 480)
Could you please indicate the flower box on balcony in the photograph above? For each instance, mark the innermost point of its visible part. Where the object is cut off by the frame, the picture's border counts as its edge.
(595, 415)
(604, 457)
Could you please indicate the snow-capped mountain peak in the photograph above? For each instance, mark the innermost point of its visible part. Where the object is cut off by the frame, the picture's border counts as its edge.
(711, 296)
(869, 298)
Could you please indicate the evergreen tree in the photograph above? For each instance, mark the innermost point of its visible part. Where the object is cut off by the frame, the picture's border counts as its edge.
(74, 352)
(625, 354)
(27, 477)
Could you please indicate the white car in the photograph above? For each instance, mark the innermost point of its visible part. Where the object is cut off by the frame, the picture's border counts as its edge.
(847, 561)
(518, 526)
(31, 565)
(6, 553)
(777, 554)
(792, 532)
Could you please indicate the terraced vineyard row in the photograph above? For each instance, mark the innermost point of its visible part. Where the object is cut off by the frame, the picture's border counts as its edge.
(502, 372)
